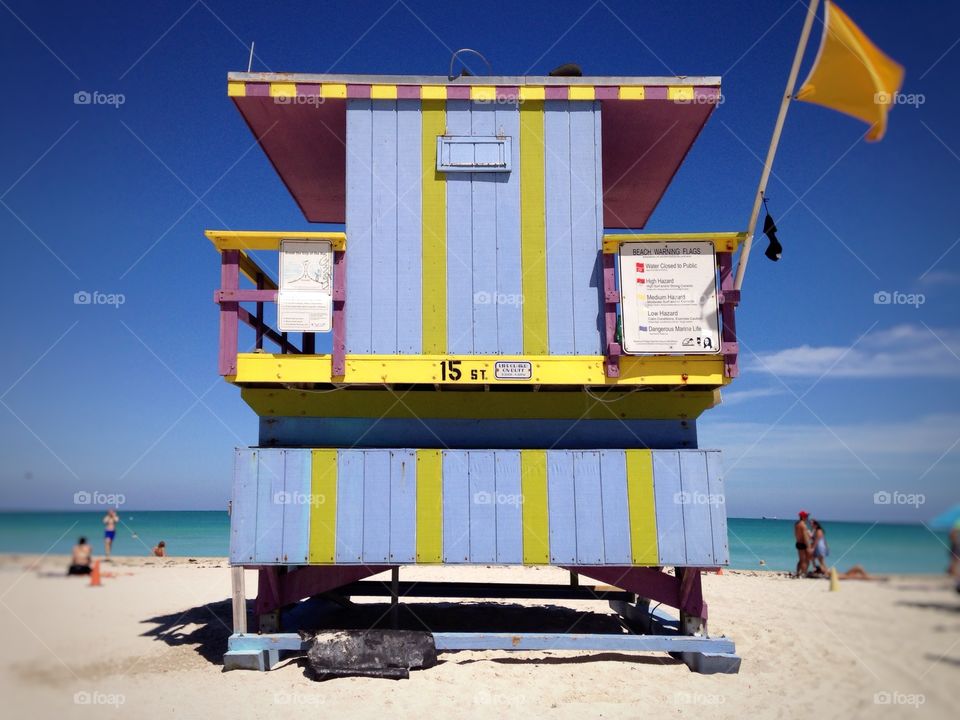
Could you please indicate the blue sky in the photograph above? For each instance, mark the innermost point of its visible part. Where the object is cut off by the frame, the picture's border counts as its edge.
(840, 398)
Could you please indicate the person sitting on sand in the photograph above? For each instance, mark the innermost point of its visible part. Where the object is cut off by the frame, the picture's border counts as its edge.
(856, 573)
(161, 549)
(80, 558)
(109, 530)
(801, 535)
(820, 549)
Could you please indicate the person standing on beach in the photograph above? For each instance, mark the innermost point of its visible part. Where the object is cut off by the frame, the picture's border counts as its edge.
(801, 536)
(110, 521)
(820, 549)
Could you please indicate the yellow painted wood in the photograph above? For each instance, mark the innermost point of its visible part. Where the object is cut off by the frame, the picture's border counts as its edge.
(643, 508)
(533, 229)
(433, 92)
(269, 239)
(680, 92)
(483, 93)
(536, 517)
(632, 92)
(470, 404)
(323, 507)
(672, 370)
(333, 90)
(433, 230)
(722, 241)
(236, 89)
(529, 92)
(283, 90)
(383, 92)
(581, 92)
(429, 506)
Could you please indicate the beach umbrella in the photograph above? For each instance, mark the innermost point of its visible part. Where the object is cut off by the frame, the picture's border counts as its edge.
(946, 520)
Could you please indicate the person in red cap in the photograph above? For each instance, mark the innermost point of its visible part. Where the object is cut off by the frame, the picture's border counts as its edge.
(801, 534)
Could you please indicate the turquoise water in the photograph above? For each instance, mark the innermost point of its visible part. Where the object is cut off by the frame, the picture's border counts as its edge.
(879, 548)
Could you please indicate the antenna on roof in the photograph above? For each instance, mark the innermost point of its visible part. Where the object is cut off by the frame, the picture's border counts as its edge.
(250, 59)
(466, 70)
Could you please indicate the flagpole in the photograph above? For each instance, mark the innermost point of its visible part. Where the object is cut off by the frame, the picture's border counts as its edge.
(775, 141)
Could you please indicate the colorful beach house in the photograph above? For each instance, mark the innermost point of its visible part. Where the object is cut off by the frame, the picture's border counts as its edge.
(490, 364)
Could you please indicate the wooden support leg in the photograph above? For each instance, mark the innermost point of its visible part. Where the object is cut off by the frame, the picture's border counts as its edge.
(395, 598)
(239, 600)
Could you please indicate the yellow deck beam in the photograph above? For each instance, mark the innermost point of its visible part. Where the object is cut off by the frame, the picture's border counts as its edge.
(722, 241)
(268, 239)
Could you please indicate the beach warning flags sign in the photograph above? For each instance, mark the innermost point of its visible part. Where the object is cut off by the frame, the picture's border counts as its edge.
(852, 75)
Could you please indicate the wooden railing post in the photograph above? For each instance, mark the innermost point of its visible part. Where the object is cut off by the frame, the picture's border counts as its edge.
(260, 285)
(728, 303)
(229, 321)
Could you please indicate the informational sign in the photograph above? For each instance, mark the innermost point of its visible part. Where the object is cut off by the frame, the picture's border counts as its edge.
(668, 293)
(305, 297)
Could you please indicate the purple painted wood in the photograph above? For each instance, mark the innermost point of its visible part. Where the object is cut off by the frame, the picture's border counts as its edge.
(229, 322)
(707, 94)
(606, 93)
(277, 589)
(258, 296)
(257, 90)
(458, 92)
(358, 92)
(505, 94)
(611, 363)
(684, 592)
(654, 93)
(308, 89)
(729, 301)
(554, 92)
(339, 365)
(408, 92)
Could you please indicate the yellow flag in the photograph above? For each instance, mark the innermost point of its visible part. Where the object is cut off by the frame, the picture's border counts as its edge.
(851, 74)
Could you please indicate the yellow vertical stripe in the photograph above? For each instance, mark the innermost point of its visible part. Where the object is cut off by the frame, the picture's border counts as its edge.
(643, 508)
(536, 519)
(323, 507)
(533, 229)
(433, 231)
(429, 506)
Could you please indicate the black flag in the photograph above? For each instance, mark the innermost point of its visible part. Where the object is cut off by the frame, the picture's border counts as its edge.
(775, 249)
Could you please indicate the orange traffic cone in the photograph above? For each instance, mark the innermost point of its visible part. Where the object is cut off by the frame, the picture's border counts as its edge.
(95, 574)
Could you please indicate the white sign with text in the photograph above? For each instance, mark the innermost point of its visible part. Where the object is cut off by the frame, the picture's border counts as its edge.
(305, 297)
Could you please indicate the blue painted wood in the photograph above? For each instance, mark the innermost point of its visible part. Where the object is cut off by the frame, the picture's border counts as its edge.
(666, 491)
(270, 507)
(409, 227)
(718, 509)
(297, 502)
(383, 226)
(586, 195)
(561, 507)
(376, 506)
(350, 471)
(245, 642)
(456, 506)
(695, 499)
(560, 313)
(484, 239)
(510, 507)
(459, 242)
(509, 270)
(589, 507)
(483, 507)
(403, 506)
(577, 641)
(615, 511)
(359, 182)
(243, 511)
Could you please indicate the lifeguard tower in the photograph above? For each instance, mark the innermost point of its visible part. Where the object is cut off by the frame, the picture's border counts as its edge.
(490, 365)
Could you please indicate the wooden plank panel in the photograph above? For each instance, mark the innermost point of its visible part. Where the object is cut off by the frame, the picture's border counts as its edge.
(403, 506)
(536, 515)
(349, 506)
(667, 488)
(433, 231)
(243, 508)
(456, 506)
(297, 502)
(409, 227)
(718, 508)
(533, 242)
(459, 242)
(616, 508)
(586, 194)
(376, 506)
(509, 507)
(562, 506)
(559, 242)
(644, 544)
(358, 306)
(509, 271)
(269, 511)
(695, 501)
(484, 238)
(429, 506)
(588, 507)
(383, 227)
(323, 514)
(483, 507)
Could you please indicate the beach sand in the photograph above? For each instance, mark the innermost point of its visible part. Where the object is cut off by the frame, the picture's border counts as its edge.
(149, 643)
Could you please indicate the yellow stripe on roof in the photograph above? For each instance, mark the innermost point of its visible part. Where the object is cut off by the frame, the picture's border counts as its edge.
(283, 90)
(485, 93)
(433, 92)
(433, 231)
(333, 90)
(533, 228)
(429, 506)
(631, 92)
(528, 92)
(323, 507)
(581, 92)
(536, 517)
(643, 508)
(383, 92)
(680, 92)
(236, 89)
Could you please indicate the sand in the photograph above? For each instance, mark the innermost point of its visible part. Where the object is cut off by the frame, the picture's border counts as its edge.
(149, 642)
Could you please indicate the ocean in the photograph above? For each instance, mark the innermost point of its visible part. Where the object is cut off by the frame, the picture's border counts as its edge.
(880, 548)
